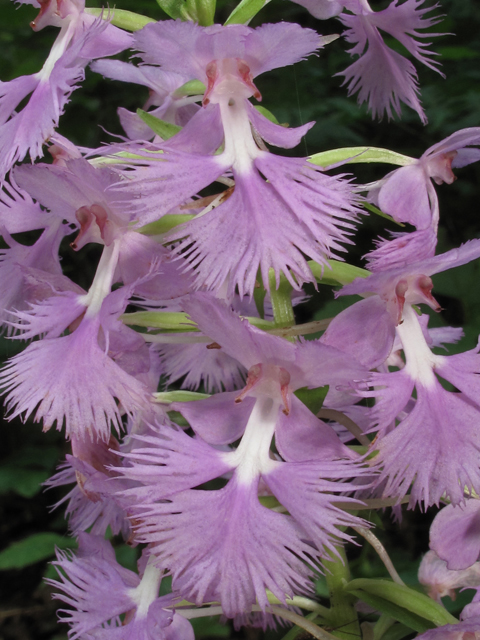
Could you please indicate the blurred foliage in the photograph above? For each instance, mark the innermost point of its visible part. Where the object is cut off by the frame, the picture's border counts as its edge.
(37, 547)
(307, 91)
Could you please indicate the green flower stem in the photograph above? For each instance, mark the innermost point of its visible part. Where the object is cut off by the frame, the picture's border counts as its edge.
(302, 603)
(298, 620)
(302, 622)
(382, 553)
(281, 301)
(295, 631)
(342, 615)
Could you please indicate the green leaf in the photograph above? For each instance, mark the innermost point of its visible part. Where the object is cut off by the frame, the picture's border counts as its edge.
(28, 457)
(173, 8)
(190, 88)
(165, 130)
(371, 207)
(165, 224)
(270, 502)
(127, 556)
(312, 398)
(409, 619)
(22, 481)
(405, 597)
(123, 19)
(382, 625)
(201, 11)
(35, 548)
(167, 397)
(339, 272)
(333, 307)
(259, 293)
(355, 155)
(24, 471)
(268, 114)
(457, 53)
(281, 300)
(245, 11)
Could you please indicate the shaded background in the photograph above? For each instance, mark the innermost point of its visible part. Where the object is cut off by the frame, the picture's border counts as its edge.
(298, 94)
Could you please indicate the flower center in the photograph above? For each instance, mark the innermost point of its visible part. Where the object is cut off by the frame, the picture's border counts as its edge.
(415, 289)
(96, 225)
(267, 380)
(420, 361)
(439, 168)
(252, 457)
(229, 78)
(147, 591)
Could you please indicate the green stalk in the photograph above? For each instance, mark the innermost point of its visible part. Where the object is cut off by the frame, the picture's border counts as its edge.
(342, 616)
(281, 301)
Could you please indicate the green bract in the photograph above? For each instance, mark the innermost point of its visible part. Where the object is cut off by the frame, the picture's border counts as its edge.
(245, 11)
(164, 129)
(353, 155)
(127, 20)
(338, 273)
(403, 597)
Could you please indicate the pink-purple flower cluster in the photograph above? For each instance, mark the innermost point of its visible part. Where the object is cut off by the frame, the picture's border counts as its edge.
(245, 494)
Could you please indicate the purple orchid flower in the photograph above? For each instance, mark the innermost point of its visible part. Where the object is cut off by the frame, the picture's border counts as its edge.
(210, 366)
(90, 503)
(407, 194)
(216, 370)
(280, 208)
(73, 377)
(381, 76)
(82, 194)
(434, 447)
(224, 544)
(367, 329)
(81, 39)
(455, 534)
(26, 271)
(441, 581)
(16, 263)
(99, 590)
(170, 106)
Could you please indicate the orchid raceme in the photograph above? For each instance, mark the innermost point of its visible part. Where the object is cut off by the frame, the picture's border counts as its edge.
(164, 296)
